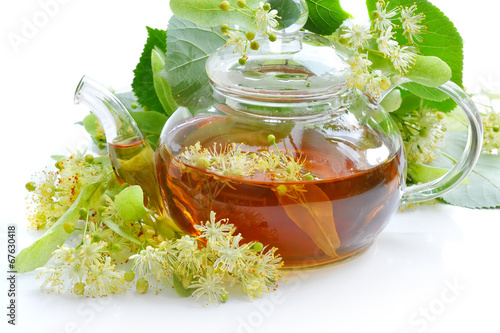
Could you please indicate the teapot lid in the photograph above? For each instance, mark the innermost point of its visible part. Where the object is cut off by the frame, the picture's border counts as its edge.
(297, 67)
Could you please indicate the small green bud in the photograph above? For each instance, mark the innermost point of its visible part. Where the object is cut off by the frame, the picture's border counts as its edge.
(309, 177)
(254, 45)
(272, 38)
(241, 3)
(60, 165)
(129, 276)
(83, 212)
(68, 227)
(250, 35)
(271, 139)
(223, 298)
(224, 6)
(375, 15)
(224, 28)
(423, 132)
(258, 246)
(116, 248)
(266, 7)
(440, 115)
(496, 129)
(102, 145)
(142, 286)
(242, 61)
(96, 238)
(134, 105)
(281, 189)
(31, 186)
(146, 108)
(89, 158)
(79, 288)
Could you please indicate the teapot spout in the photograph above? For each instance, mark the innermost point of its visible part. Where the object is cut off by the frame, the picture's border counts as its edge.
(131, 156)
(118, 124)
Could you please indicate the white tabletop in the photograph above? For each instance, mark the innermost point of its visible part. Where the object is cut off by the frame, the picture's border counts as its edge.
(433, 269)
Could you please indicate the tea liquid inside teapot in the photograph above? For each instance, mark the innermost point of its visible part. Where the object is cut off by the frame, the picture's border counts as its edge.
(323, 200)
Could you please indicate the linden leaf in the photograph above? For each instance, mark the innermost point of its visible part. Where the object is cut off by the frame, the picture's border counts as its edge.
(121, 231)
(38, 254)
(313, 213)
(130, 204)
(207, 13)
(162, 88)
(188, 47)
(143, 83)
(325, 16)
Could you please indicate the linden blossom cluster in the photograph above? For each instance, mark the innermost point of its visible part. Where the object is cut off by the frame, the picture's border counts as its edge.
(357, 38)
(53, 192)
(264, 20)
(200, 265)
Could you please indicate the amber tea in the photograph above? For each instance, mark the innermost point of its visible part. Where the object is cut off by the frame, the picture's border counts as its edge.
(312, 203)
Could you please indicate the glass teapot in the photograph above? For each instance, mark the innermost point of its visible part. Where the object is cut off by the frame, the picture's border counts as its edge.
(286, 152)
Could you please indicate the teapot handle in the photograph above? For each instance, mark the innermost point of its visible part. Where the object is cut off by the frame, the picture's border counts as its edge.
(438, 187)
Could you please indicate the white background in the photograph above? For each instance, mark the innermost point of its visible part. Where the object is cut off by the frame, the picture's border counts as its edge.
(432, 270)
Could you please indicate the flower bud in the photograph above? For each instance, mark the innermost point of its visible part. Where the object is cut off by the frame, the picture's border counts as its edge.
(224, 28)
(254, 45)
(60, 165)
(271, 139)
(223, 298)
(116, 248)
(281, 189)
(241, 3)
(309, 177)
(258, 246)
(89, 158)
(129, 276)
(250, 35)
(83, 212)
(224, 5)
(31, 186)
(68, 227)
(242, 61)
(79, 288)
(142, 286)
(272, 38)
(266, 7)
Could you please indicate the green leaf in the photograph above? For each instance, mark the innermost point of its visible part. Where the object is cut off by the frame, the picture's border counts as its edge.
(207, 13)
(409, 104)
(90, 124)
(188, 47)
(422, 173)
(130, 204)
(424, 92)
(441, 39)
(151, 124)
(482, 190)
(37, 254)
(288, 12)
(143, 83)
(121, 231)
(162, 88)
(392, 101)
(325, 16)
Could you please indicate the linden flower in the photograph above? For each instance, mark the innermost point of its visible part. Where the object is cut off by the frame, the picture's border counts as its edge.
(64, 254)
(411, 25)
(74, 271)
(148, 261)
(382, 17)
(90, 252)
(238, 39)
(265, 19)
(402, 59)
(215, 232)
(103, 280)
(51, 278)
(231, 255)
(386, 44)
(210, 288)
(358, 36)
(359, 62)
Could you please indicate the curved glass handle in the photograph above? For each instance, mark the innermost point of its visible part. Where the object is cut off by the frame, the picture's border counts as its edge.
(438, 187)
